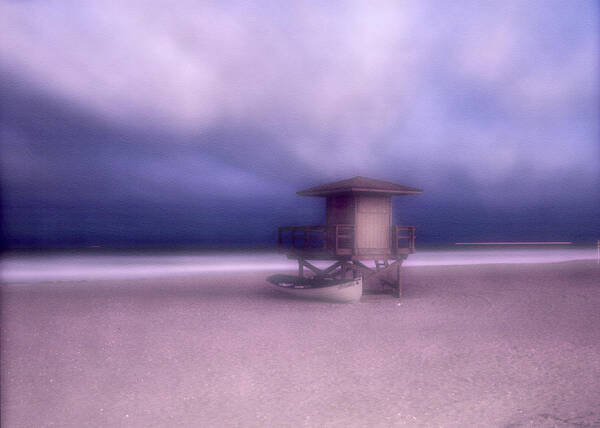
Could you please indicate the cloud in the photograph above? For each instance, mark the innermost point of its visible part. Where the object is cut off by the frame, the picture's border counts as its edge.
(398, 89)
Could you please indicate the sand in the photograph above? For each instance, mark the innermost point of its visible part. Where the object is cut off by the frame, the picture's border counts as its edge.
(487, 345)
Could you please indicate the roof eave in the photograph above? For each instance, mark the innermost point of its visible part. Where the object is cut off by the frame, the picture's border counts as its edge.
(308, 192)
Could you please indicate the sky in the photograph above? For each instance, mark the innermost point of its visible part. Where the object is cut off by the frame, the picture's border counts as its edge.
(147, 123)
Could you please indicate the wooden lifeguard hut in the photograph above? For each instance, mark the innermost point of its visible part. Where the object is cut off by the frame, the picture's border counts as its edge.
(358, 228)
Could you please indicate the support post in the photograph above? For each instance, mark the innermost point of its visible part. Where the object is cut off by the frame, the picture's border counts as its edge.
(344, 270)
(332, 268)
(300, 267)
(398, 288)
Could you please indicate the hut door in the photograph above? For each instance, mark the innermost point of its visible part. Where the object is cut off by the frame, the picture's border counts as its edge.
(373, 223)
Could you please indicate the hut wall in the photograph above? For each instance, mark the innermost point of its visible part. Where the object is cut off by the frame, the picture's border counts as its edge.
(373, 225)
(340, 209)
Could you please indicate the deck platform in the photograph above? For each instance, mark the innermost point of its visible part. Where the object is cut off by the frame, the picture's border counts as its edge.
(337, 243)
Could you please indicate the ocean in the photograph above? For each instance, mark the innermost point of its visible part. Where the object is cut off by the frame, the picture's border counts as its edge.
(18, 267)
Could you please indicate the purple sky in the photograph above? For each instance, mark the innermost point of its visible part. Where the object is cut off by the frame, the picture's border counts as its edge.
(180, 122)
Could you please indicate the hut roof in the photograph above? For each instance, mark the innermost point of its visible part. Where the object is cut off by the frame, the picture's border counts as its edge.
(359, 185)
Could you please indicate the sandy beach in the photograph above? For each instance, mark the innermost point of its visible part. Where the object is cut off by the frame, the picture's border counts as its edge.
(501, 345)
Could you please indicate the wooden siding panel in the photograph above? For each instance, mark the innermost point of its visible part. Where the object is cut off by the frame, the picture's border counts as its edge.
(373, 224)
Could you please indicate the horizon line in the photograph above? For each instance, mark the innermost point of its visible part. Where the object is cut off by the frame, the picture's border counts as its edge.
(516, 243)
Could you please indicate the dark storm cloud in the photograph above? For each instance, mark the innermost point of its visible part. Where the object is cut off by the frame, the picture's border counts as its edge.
(230, 107)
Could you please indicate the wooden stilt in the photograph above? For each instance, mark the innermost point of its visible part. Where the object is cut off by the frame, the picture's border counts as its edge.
(398, 288)
(336, 270)
(387, 273)
(344, 270)
(333, 267)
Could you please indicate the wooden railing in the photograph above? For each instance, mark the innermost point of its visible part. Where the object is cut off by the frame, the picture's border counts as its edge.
(343, 235)
(404, 238)
(337, 239)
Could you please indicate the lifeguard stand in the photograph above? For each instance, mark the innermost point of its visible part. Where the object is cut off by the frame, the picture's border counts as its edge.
(358, 228)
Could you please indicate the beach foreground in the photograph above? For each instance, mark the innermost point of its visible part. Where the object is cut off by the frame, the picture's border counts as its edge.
(482, 345)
